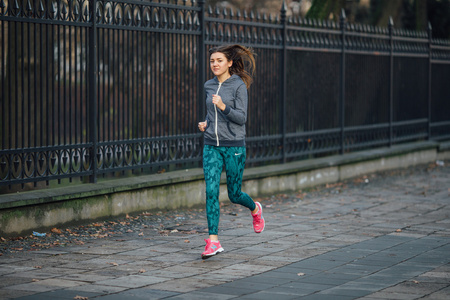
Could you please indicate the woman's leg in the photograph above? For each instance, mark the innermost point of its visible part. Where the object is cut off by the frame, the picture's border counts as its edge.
(234, 167)
(212, 169)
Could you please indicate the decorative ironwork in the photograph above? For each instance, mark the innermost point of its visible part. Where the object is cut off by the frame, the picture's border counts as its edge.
(22, 166)
(94, 87)
(226, 26)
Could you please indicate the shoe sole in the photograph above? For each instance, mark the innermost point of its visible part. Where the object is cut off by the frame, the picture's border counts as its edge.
(206, 256)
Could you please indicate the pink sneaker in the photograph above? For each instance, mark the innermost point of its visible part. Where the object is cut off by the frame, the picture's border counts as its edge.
(212, 248)
(258, 220)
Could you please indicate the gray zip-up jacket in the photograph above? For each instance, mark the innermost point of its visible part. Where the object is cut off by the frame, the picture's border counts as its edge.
(226, 128)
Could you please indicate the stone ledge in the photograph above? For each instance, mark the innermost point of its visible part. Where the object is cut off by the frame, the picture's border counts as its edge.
(337, 160)
(444, 146)
(22, 213)
(151, 181)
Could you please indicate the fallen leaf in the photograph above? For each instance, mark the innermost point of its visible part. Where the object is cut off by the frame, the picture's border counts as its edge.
(142, 271)
(398, 230)
(300, 274)
(37, 267)
(56, 230)
(141, 234)
(114, 264)
(34, 280)
(80, 298)
(415, 281)
(187, 241)
(174, 231)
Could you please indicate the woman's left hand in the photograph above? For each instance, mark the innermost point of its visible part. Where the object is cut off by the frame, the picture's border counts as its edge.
(217, 100)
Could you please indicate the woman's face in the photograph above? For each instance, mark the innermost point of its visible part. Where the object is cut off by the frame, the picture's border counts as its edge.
(219, 64)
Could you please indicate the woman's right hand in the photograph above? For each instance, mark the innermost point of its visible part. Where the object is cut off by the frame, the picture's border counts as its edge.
(202, 126)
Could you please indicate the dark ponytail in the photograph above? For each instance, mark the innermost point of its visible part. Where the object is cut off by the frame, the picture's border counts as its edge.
(243, 61)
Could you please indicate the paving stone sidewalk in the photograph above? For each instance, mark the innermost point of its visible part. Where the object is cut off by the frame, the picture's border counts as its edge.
(381, 236)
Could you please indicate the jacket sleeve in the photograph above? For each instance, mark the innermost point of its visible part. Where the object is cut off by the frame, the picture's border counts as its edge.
(238, 113)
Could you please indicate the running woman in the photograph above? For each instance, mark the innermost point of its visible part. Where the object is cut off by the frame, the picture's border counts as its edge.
(224, 136)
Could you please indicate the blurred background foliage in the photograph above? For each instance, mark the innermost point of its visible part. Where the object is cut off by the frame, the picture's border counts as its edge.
(406, 14)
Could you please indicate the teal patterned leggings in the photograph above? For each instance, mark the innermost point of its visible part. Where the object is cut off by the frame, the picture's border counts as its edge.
(213, 160)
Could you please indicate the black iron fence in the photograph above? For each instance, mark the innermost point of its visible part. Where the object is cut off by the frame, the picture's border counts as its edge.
(96, 87)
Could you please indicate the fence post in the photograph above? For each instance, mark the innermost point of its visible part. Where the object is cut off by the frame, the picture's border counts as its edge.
(429, 78)
(342, 82)
(92, 67)
(201, 61)
(283, 77)
(391, 80)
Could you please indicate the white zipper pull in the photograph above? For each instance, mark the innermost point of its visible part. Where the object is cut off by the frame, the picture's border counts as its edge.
(215, 110)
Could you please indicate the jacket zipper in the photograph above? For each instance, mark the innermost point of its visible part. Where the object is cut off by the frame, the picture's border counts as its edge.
(215, 110)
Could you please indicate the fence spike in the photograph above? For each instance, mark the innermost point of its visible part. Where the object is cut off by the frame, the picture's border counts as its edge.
(343, 16)
(189, 21)
(64, 9)
(197, 22)
(16, 5)
(76, 12)
(53, 9)
(138, 17)
(128, 17)
(119, 16)
(181, 21)
(29, 8)
(164, 20)
(86, 12)
(173, 20)
(228, 34)
(245, 15)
